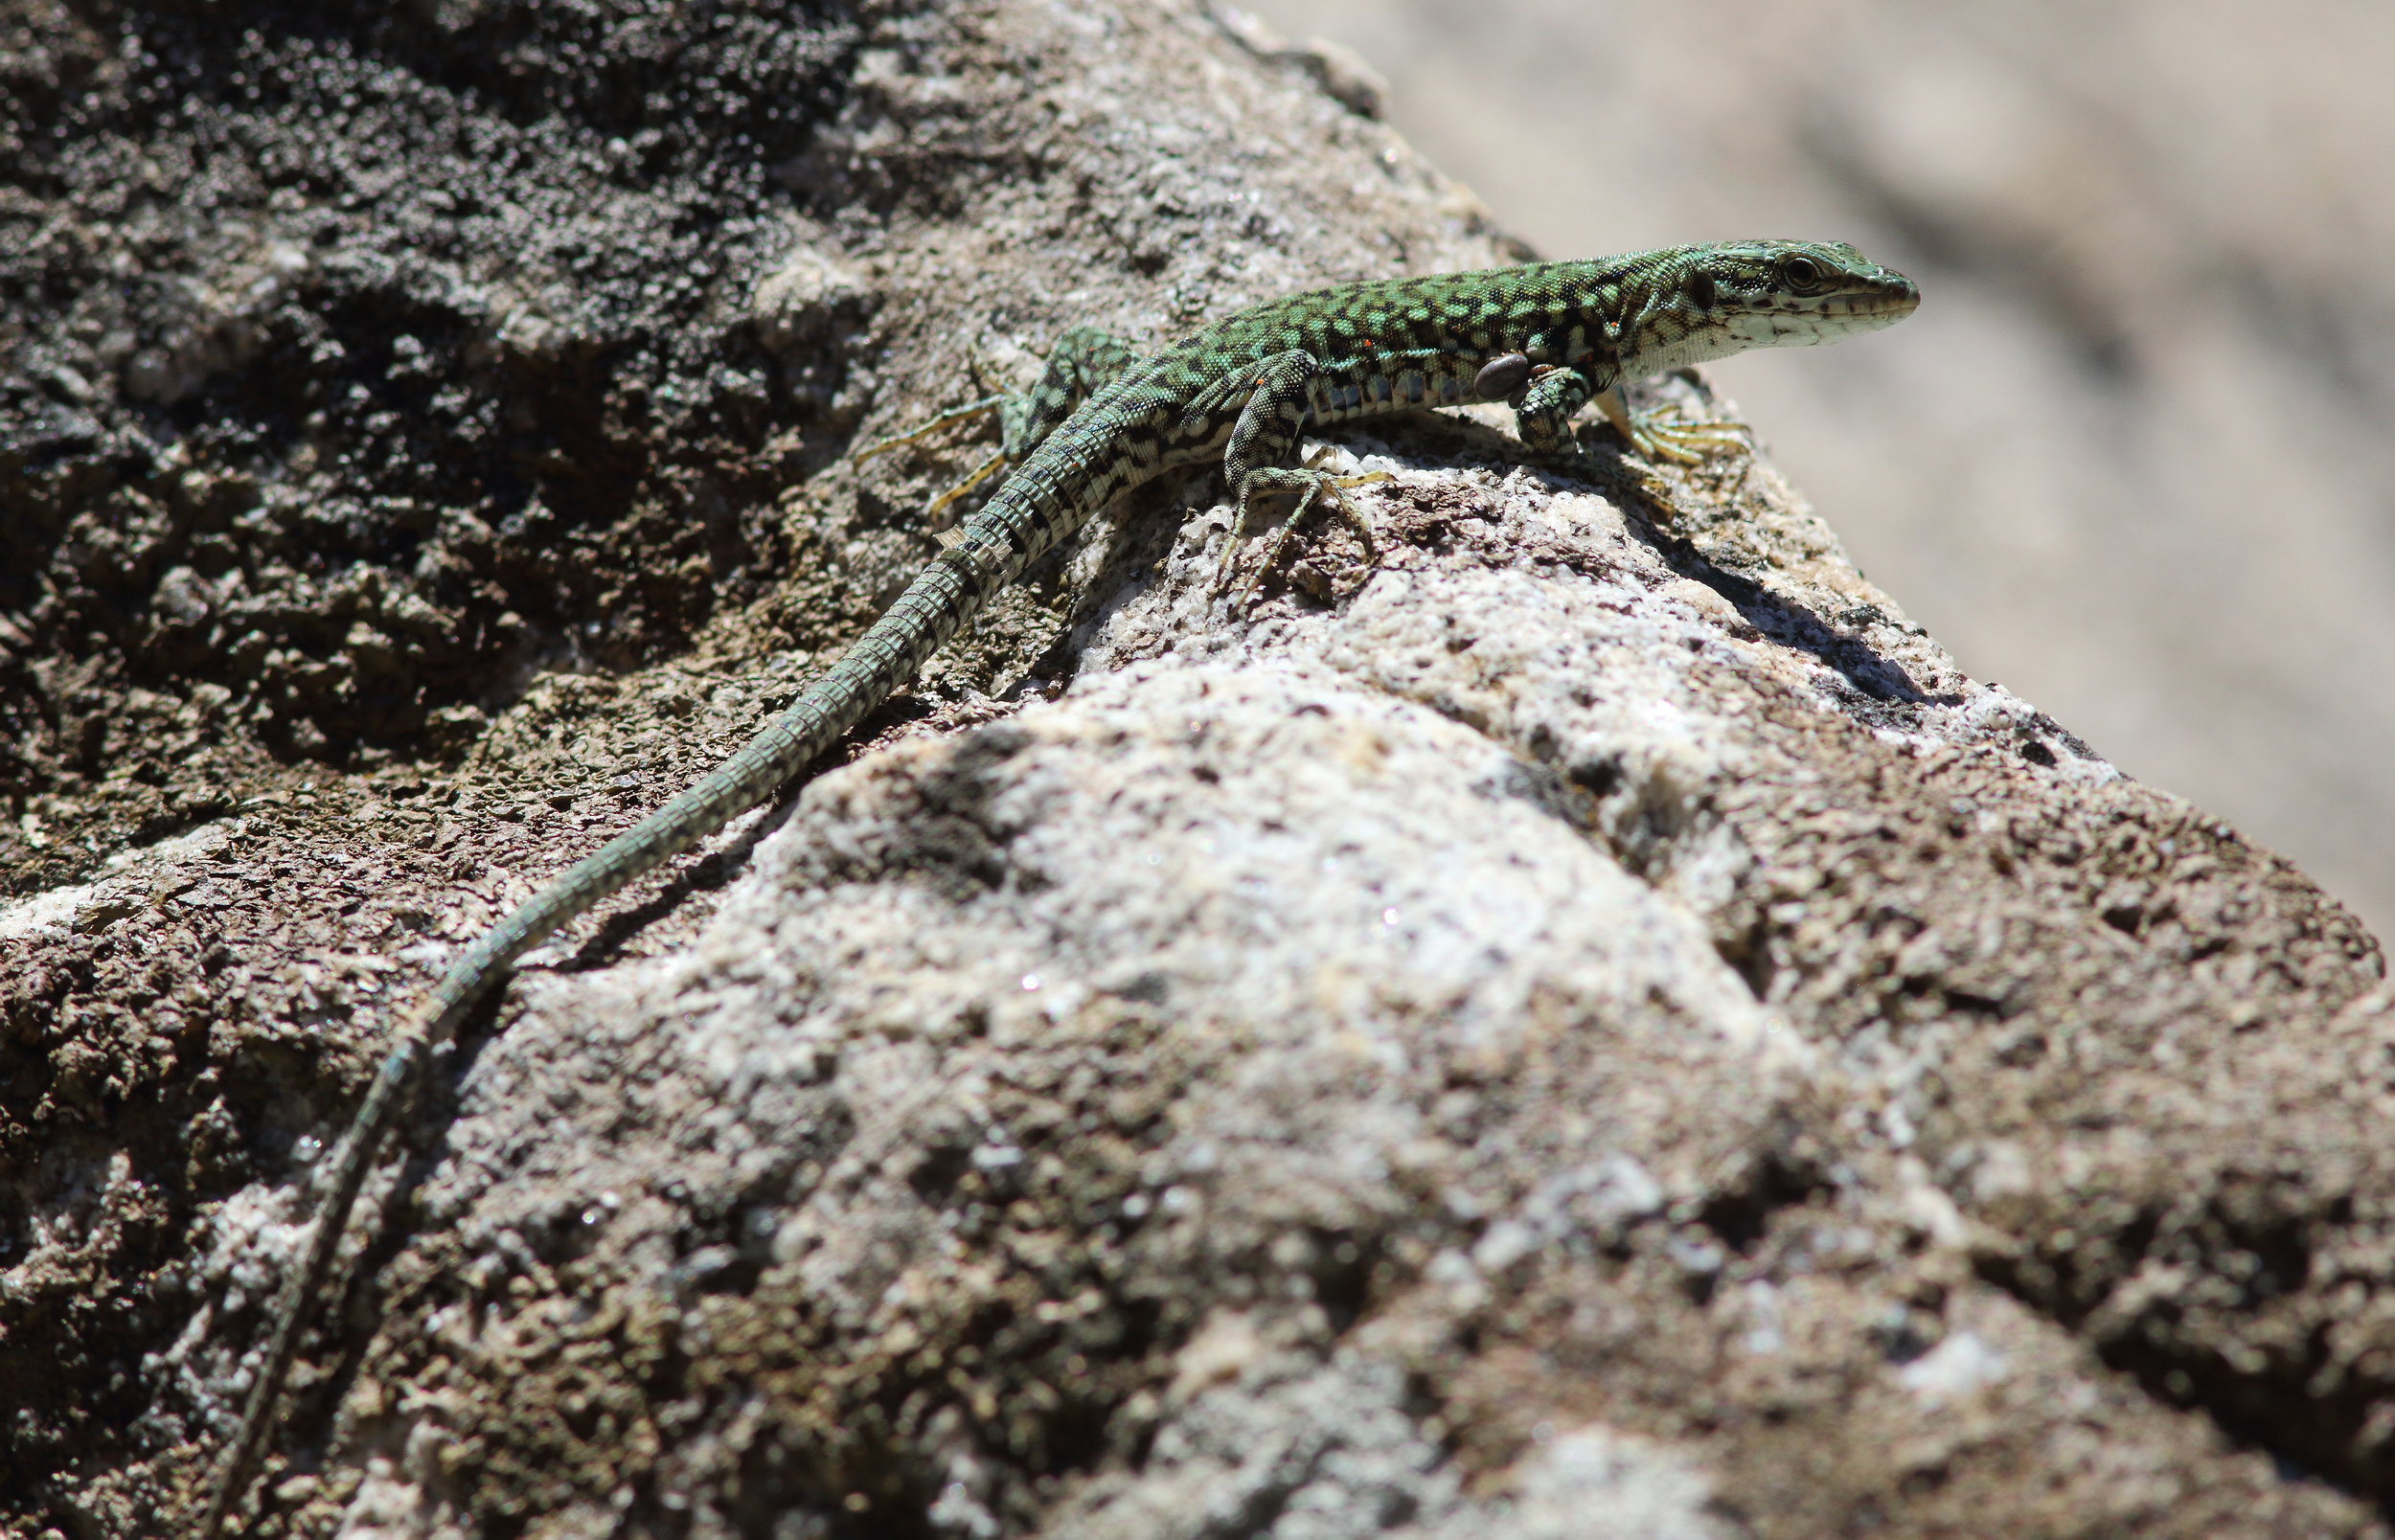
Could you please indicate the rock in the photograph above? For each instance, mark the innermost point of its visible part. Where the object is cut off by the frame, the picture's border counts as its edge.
(2046, 465)
(1340, 71)
(803, 297)
(1590, 1023)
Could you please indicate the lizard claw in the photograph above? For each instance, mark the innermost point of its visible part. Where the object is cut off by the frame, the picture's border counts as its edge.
(1686, 443)
(1655, 436)
(933, 509)
(1311, 484)
(926, 428)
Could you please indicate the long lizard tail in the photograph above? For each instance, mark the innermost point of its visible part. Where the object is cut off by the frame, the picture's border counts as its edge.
(943, 597)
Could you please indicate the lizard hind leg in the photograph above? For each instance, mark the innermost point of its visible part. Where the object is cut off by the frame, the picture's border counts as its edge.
(938, 505)
(1082, 360)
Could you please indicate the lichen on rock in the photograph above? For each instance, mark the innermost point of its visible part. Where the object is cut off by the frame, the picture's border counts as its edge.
(1589, 1023)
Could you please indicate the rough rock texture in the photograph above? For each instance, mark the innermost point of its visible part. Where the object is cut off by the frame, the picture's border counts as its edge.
(2131, 457)
(1593, 1025)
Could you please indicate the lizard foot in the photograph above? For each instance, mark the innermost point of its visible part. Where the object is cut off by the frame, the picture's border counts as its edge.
(1655, 436)
(938, 505)
(1686, 443)
(1310, 484)
(926, 429)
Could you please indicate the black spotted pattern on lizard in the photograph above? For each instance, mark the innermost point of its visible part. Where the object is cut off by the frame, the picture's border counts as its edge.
(1546, 338)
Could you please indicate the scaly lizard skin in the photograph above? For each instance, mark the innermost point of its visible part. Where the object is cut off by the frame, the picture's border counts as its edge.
(1546, 338)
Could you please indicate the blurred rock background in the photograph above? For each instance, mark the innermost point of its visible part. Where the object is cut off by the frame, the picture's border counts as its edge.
(2134, 456)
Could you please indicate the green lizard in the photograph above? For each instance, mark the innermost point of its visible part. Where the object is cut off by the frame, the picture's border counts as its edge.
(1546, 338)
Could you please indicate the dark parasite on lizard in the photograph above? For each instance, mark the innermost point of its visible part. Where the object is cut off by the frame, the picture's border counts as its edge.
(1546, 338)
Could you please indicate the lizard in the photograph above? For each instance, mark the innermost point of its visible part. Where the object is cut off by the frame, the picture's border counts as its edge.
(1546, 338)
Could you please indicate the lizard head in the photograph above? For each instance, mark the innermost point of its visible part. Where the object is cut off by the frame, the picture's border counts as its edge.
(1734, 295)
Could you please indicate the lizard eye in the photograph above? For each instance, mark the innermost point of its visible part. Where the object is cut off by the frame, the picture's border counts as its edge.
(1801, 274)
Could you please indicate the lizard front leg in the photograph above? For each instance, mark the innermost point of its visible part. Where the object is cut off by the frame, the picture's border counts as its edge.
(1256, 461)
(1544, 408)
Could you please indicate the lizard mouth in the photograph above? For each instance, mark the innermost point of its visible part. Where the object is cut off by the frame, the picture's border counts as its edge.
(1890, 294)
(1872, 291)
(1862, 305)
(1883, 297)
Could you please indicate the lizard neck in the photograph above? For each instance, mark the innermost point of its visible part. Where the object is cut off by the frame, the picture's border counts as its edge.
(1665, 317)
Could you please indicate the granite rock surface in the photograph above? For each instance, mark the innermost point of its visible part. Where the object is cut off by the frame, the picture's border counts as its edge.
(1582, 1022)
